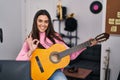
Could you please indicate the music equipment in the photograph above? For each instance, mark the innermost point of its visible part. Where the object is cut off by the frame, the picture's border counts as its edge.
(44, 62)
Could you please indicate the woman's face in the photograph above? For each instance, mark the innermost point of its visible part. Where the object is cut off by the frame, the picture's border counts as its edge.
(42, 23)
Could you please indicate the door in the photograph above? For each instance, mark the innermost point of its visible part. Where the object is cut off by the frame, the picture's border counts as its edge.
(10, 25)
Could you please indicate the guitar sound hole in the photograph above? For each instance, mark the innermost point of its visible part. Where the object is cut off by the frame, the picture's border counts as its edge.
(54, 57)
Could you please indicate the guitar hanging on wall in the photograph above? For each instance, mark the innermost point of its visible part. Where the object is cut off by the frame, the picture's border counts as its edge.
(44, 62)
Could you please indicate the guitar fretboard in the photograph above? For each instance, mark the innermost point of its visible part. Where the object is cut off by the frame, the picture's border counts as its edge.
(74, 49)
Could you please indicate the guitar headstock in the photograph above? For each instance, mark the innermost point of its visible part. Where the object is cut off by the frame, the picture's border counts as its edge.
(102, 37)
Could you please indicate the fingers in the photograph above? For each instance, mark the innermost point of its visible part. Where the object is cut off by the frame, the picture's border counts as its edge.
(35, 41)
(29, 38)
(31, 41)
(94, 42)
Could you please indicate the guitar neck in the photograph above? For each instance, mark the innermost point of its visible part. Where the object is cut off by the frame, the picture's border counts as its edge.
(74, 49)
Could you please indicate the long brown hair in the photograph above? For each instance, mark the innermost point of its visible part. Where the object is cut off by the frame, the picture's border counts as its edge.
(50, 32)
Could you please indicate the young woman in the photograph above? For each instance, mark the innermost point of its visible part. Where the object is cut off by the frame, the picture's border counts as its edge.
(43, 35)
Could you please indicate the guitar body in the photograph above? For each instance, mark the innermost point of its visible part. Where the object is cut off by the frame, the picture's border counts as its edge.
(48, 67)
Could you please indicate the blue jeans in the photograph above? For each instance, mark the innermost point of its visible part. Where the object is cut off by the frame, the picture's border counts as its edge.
(58, 75)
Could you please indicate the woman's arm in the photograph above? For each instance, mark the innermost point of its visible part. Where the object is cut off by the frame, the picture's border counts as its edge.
(28, 47)
(23, 54)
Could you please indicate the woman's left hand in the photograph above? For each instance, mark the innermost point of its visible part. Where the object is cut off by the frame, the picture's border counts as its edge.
(93, 42)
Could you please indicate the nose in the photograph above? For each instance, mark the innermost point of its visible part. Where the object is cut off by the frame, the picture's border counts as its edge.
(43, 23)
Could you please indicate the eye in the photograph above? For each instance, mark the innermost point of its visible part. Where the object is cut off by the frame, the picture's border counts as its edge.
(47, 21)
(39, 20)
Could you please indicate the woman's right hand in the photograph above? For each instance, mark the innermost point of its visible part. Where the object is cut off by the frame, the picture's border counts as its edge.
(32, 43)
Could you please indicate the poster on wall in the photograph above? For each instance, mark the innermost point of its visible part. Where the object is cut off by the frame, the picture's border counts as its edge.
(113, 17)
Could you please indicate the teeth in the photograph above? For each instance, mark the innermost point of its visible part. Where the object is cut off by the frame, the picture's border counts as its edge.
(42, 27)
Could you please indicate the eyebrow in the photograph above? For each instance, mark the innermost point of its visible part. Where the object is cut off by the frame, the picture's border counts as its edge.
(43, 20)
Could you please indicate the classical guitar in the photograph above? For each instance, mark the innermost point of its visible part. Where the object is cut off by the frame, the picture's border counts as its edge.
(44, 62)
